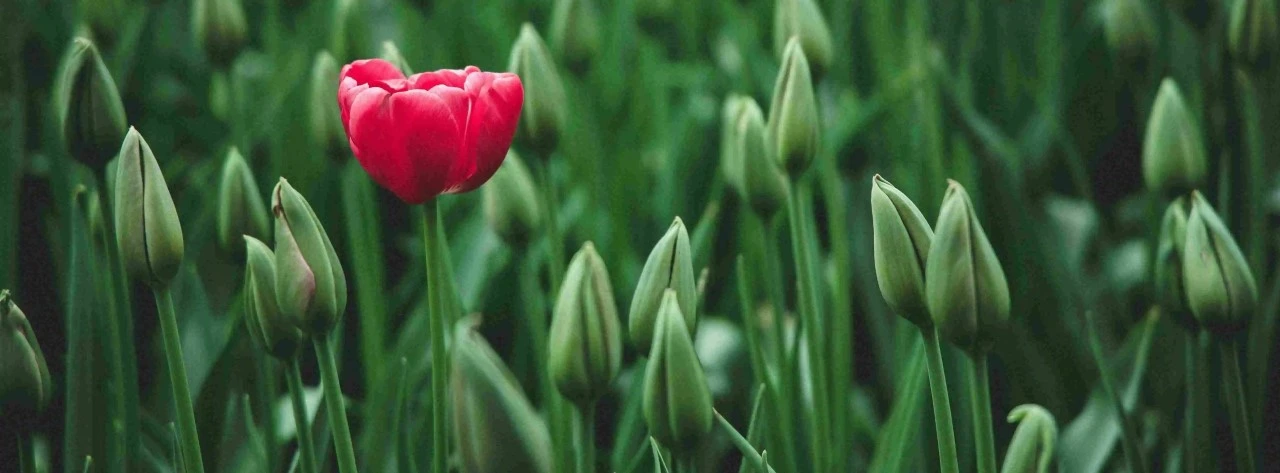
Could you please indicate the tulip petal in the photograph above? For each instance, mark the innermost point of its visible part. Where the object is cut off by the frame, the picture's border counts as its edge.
(495, 112)
(366, 71)
(428, 80)
(406, 141)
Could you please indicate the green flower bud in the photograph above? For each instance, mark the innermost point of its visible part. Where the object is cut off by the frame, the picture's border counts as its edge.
(90, 113)
(220, 28)
(763, 182)
(730, 159)
(901, 237)
(670, 266)
(1031, 450)
(1169, 290)
(1128, 29)
(677, 401)
(25, 384)
(1221, 291)
(802, 19)
(575, 30)
(1253, 33)
(496, 428)
(510, 202)
(586, 344)
(310, 285)
(793, 114)
(391, 54)
(325, 123)
(147, 227)
(271, 329)
(544, 115)
(1173, 155)
(965, 287)
(241, 210)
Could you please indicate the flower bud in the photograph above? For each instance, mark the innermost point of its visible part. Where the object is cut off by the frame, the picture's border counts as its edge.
(763, 182)
(1253, 33)
(1169, 290)
(965, 287)
(391, 54)
(802, 19)
(25, 383)
(544, 96)
(1221, 291)
(585, 343)
(325, 124)
(793, 114)
(90, 113)
(670, 266)
(147, 227)
(510, 202)
(220, 28)
(241, 210)
(677, 401)
(730, 159)
(1129, 29)
(901, 237)
(1031, 450)
(1173, 156)
(575, 30)
(495, 427)
(275, 333)
(310, 285)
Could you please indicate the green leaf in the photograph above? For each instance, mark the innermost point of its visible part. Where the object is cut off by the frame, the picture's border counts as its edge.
(898, 441)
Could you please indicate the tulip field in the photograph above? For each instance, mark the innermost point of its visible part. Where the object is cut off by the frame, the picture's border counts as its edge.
(623, 236)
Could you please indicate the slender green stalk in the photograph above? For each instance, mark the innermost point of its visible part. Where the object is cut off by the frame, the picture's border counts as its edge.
(1240, 432)
(587, 439)
(947, 459)
(27, 453)
(439, 365)
(190, 439)
(306, 446)
(1189, 444)
(1137, 462)
(364, 239)
(337, 410)
(777, 298)
(807, 301)
(744, 446)
(984, 439)
(555, 240)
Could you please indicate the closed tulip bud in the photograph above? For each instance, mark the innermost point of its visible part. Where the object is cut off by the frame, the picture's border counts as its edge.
(510, 202)
(763, 182)
(901, 237)
(670, 266)
(677, 400)
(391, 53)
(310, 285)
(802, 19)
(544, 96)
(89, 109)
(25, 384)
(1253, 33)
(1031, 450)
(1129, 29)
(730, 159)
(241, 210)
(1173, 155)
(220, 28)
(495, 427)
(1169, 290)
(271, 329)
(1221, 291)
(575, 30)
(793, 114)
(586, 342)
(325, 125)
(147, 227)
(965, 287)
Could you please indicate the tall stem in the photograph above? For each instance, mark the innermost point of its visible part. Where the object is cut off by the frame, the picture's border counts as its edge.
(587, 439)
(555, 241)
(439, 367)
(27, 453)
(190, 439)
(943, 425)
(1236, 406)
(306, 447)
(807, 302)
(333, 401)
(984, 438)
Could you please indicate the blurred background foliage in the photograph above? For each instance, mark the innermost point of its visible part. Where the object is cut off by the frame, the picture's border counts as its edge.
(1037, 107)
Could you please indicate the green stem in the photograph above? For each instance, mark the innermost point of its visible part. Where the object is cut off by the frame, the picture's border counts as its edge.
(946, 430)
(1189, 445)
(1240, 432)
(27, 453)
(1137, 461)
(555, 241)
(807, 302)
(587, 439)
(777, 298)
(186, 417)
(337, 410)
(439, 367)
(306, 447)
(984, 438)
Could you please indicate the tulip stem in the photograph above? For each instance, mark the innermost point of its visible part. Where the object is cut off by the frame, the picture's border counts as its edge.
(555, 241)
(587, 438)
(186, 417)
(334, 402)
(984, 439)
(807, 302)
(27, 453)
(439, 365)
(306, 446)
(1240, 432)
(942, 423)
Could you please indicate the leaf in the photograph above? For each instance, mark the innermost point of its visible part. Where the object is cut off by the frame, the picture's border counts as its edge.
(368, 267)
(87, 419)
(897, 442)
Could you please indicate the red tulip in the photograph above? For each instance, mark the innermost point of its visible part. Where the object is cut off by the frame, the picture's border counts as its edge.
(442, 132)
